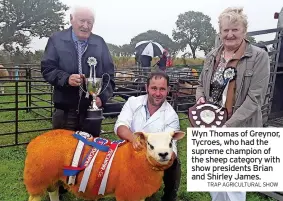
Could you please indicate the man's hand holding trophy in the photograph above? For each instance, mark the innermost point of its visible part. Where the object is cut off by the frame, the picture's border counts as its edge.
(94, 85)
(75, 80)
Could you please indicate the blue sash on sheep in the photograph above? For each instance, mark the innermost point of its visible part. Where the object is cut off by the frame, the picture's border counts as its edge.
(98, 144)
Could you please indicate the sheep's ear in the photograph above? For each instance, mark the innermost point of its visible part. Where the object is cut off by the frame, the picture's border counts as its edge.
(178, 135)
(141, 136)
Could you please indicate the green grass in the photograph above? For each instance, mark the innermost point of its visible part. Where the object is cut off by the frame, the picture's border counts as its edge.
(12, 160)
(24, 126)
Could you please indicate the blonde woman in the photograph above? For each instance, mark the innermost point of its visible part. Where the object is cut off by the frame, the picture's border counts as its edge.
(246, 93)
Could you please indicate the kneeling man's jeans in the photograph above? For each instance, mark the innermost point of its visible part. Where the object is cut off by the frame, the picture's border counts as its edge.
(171, 179)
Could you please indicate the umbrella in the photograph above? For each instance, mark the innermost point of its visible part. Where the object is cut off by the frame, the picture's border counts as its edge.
(149, 48)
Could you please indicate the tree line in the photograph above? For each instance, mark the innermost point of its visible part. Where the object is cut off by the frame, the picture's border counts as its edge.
(20, 21)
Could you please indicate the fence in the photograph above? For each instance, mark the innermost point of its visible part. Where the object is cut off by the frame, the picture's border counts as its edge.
(273, 107)
(26, 107)
(275, 71)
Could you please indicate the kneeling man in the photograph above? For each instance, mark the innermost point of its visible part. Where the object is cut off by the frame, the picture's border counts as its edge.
(152, 113)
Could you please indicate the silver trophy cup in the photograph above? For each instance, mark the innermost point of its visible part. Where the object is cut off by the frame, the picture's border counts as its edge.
(94, 115)
(94, 87)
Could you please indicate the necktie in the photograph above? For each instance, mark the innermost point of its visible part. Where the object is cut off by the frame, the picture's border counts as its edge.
(80, 53)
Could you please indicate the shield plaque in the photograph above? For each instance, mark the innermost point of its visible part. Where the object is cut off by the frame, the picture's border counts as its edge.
(207, 116)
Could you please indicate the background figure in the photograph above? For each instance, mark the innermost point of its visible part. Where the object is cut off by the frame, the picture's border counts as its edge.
(137, 59)
(163, 60)
(246, 94)
(145, 60)
(169, 62)
(152, 113)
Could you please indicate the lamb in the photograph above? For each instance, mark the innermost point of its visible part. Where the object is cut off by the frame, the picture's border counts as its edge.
(133, 176)
(124, 76)
(126, 82)
(4, 75)
(187, 88)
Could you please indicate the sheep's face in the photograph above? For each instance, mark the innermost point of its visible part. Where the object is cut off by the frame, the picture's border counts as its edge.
(160, 145)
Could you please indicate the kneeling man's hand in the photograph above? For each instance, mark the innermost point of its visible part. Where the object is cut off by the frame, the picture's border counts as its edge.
(137, 144)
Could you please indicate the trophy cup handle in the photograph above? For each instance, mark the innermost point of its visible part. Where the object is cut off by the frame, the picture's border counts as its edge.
(107, 83)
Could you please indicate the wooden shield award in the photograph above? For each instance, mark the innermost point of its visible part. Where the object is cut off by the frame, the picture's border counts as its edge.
(211, 115)
(207, 116)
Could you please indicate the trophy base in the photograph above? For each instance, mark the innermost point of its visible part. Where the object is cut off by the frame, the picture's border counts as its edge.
(92, 122)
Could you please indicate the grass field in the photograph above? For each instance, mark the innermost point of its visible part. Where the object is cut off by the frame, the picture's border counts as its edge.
(12, 158)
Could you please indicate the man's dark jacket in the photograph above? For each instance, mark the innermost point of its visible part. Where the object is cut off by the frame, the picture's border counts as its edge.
(60, 61)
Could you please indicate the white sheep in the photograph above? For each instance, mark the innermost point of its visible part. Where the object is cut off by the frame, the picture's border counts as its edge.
(124, 76)
(4, 75)
(133, 176)
(187, 88)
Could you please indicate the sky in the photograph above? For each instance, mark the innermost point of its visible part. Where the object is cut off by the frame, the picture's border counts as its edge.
(118, 21)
